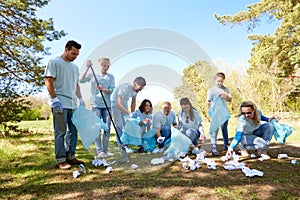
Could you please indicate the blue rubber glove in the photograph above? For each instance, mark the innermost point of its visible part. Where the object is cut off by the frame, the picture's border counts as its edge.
(56, 105)
(81, 102)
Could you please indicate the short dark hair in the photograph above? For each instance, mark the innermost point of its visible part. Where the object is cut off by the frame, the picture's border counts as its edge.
(220, 74)
(140, 81)
(71, 44)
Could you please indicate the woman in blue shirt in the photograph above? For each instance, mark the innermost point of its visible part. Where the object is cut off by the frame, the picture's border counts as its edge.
(250, 131)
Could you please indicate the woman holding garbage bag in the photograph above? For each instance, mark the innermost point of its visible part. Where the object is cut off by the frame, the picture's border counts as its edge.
(250, 132)
(106, 85)
(141, 121)
(190, 122)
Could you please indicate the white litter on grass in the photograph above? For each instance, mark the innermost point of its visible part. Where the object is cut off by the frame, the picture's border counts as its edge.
(252, 155)
(294, 162)
(252, 172)
(188, 163)
(264, 157)
(282, 155)
(233, 165)
(134, 166)
(97, 162)
(156, 161)
(109, 169)
(233, 156)
(82, 168)
(76, 173)
(210, 163)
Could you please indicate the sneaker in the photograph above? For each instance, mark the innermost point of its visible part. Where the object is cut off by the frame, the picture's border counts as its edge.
(64, 165)
(75, 161)
(129, 150)
(109, 154)
(215, 152)
(101, 155)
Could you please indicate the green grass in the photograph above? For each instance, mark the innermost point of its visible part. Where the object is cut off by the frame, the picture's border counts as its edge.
(28, 171)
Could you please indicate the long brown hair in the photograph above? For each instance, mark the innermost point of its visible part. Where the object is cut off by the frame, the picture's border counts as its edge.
(186, 101)
(250, 104)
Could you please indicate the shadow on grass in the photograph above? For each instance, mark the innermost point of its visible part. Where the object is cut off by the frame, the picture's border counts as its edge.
(33, 175)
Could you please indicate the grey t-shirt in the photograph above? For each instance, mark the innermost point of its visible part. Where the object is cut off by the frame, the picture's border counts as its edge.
(160, 120)
(66, 77)
(125, 91)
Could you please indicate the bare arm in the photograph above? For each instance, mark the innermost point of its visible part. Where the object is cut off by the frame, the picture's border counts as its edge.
(50, 86)
(133, 103)
(120, 106)
(88, 65)
(78, 93)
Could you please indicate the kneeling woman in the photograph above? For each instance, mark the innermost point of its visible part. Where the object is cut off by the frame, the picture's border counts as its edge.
(190, 122)
(252, 134)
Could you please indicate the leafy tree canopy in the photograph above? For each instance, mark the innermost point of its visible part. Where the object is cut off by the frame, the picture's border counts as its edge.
(274, 56)
(21, 51)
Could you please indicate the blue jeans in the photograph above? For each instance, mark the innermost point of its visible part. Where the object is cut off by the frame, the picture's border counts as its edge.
(193, 134)
(165, 132)
(260, 139)
(214, 136)
(119, 122)
(60, 123)
(102, 144)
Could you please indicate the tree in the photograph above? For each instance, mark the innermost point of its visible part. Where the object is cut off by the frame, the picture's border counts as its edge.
(21, 51)
(197, 79)
(275, 58)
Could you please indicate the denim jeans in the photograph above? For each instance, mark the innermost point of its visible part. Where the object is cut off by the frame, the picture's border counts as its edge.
(193, 134)
(214, 136)
(60, 123)
(119, 122)
(260, 139)
(165, 132)
(102, 143)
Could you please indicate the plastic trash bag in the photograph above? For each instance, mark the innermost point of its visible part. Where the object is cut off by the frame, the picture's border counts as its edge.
(218, 113)
(179, 142)
(132, 132)
(281, 131)
(132, 135)
(88, 125)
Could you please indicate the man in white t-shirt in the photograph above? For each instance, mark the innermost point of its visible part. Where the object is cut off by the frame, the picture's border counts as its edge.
(163, 120)
(61, 79)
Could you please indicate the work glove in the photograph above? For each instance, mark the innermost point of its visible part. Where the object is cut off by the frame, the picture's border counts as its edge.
(81, 102)
(160, 139)
(56, 105)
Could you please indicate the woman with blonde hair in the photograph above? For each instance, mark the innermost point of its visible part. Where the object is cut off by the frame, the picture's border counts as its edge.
(250, 131)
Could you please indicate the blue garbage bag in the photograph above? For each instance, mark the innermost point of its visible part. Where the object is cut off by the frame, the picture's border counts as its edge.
(88, 125)
(132, 132)
(281, 131)
(218, 113)
(179, 142)
(148, 140)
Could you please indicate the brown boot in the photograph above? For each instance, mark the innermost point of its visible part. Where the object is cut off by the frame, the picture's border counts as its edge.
(75, 161)
(64, 165)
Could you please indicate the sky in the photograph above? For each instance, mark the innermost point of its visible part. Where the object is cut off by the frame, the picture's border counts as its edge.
(93, 23)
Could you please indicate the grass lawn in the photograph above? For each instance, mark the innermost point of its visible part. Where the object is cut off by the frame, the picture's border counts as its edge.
(28, 171)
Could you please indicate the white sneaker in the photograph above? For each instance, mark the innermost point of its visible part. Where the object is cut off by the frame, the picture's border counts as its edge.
(129, 150)
(158, 150)
(109, 154)
(101, 155)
